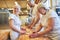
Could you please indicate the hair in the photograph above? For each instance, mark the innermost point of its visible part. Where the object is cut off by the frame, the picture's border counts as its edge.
(40, 5)
(17, 6)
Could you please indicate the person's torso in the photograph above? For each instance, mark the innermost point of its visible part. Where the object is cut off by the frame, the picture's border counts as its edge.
(56, 27)
(17, 21)
(34, 9)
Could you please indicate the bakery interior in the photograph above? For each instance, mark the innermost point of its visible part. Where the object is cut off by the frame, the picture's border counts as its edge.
(6, 7)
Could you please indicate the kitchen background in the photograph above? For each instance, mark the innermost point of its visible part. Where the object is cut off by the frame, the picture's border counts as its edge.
(7, 5)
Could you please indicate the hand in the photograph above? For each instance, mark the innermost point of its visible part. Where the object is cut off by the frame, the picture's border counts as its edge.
(29, 27)
(23, 29)
(22, 32)
(34, 35)
(34, 31)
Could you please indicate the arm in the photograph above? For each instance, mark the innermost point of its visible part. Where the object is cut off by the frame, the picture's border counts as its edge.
(35, 20)
(49, 26)
(11, 25)
(30, 4)
(38, 28)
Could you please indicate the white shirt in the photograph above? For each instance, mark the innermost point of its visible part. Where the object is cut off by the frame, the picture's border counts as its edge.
(17, 21)
(34, 9)
(17, 25)
(56, 28)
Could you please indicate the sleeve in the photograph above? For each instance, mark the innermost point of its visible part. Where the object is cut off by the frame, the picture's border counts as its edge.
(52, 14)
(11, 17)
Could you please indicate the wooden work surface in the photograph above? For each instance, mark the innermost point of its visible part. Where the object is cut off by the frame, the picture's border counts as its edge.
(26, 36)
(4, 34)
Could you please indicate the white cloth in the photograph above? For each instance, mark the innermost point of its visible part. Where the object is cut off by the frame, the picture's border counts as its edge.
(34, 12)
(34, 9)
(55, 33)
(17, 22)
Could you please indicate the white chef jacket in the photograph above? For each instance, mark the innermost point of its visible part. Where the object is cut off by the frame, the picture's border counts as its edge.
(55, 33)
(17, 24)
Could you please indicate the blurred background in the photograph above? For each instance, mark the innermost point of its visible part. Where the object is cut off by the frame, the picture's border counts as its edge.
(6, 7)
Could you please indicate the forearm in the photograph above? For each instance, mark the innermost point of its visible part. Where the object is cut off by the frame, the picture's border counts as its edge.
(45, 31)
(38, 28)
(49, 27)
(15, 29)
(34, 22)
(31, 22)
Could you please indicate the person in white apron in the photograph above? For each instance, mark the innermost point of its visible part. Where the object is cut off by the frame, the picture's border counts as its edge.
(15, 23)
(50, 22)
(34, 13)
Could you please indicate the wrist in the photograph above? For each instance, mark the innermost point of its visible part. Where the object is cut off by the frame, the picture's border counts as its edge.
(30, 27)
(41, 33)
(38, 33)
(17, 31)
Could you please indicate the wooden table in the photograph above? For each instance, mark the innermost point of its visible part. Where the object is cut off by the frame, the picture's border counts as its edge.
(4, 34)
(26, 36)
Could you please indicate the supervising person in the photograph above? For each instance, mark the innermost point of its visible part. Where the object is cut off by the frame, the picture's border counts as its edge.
(15, 23)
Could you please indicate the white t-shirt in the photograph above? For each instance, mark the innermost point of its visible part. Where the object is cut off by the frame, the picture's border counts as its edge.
(56, 28)
(34, 11)
(17, 22)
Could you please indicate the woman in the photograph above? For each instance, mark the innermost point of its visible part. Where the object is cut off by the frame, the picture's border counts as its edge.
(50, 22)
(15, 23)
